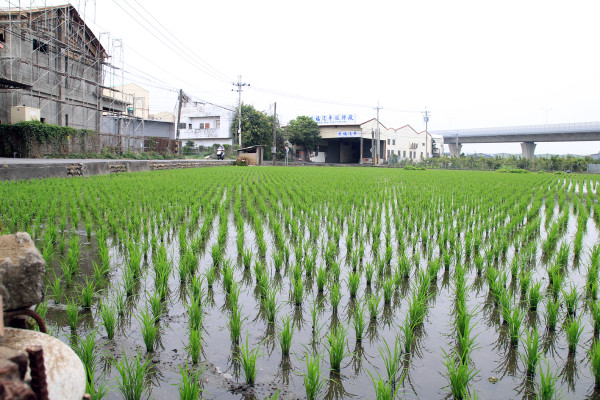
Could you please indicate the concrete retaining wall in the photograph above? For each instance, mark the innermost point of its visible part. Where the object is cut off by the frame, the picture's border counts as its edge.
(15, 171)
(593, 168)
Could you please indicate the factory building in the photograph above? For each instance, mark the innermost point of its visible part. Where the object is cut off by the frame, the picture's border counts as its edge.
(345, 140)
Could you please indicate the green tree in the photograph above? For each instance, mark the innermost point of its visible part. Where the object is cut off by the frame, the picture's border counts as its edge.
(305, 132)
(189, 147)
(257, 128)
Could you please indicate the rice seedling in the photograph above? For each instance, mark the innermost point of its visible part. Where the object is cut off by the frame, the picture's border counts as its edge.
(595, 314)
(353, 283)
(388, 291)
(67, 275)
(87, 294)
(210, 277)
(595, 363)
(109, 319)
(321, 279)
(391, 360)
(156, 306)
(552, 309)
(369, 270)
(373, 305)
(335, 296)
(216, 253)
(460, 374)
(235, 324)
(535, 295)
(277, 260)
(190, 386)
(72, 313)
(337, 347)
(314, 383)
(298, 291)
(195, 313)
(359, 321)
(56, 289)
(546, 389)
(248, 359)
(514, 319)
(573, 331)
(131, 379)
(228, 276)
(86, 350)
(42, 309)
(525, 281)
(531, 351)
(285, 335)
(384, 390)
(194, 346)
(571, 297)
(270, 304)
(148, 328)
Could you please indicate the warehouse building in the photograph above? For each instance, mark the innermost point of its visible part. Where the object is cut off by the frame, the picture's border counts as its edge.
(344, 140)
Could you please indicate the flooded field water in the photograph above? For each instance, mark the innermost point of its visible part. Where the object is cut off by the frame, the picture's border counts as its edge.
(468, 245)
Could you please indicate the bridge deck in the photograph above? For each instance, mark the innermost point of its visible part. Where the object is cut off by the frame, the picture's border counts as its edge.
(573, 132)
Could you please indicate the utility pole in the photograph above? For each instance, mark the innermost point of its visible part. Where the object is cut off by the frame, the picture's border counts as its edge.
(239, 85)
(426, 119)
(377, 152)
(179, 120)
(372, 147)
(274, 147)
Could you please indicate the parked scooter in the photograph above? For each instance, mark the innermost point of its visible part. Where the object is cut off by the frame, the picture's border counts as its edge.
(220, 153)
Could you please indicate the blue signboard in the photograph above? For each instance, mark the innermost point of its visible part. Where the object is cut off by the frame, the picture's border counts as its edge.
(348, 134)
(335, 119)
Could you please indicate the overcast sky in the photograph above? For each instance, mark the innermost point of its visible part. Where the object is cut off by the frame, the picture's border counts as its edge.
(471, 63)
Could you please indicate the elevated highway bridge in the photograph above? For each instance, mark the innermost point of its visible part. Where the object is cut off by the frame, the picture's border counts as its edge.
(528, 135)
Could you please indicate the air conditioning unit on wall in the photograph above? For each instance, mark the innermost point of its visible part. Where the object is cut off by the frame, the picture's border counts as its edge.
(23, 113)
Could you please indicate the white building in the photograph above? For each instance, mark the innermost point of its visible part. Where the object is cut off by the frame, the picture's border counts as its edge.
(346, 141)
(205, 124)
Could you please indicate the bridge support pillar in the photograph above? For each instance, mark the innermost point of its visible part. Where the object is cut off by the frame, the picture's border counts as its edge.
(528, 149)
(455, 149)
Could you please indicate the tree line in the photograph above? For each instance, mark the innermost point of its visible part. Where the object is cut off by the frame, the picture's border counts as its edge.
(257, 129)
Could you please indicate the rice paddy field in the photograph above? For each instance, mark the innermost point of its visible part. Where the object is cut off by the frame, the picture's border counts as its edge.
(334, 283)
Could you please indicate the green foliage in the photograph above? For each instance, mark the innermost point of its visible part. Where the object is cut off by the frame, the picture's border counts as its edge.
(22, 136)
(303, 131)
(257, 128)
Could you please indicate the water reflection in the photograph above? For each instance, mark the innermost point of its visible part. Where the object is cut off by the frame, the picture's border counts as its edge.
(569, 373)
(335, 388)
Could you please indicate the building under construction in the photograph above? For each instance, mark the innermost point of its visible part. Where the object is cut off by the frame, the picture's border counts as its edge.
(53, 64)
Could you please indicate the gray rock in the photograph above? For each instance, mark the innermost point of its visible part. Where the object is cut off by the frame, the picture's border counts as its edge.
(21, 271)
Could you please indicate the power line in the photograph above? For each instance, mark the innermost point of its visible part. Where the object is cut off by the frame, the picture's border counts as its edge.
(169, 45)
(191, 52)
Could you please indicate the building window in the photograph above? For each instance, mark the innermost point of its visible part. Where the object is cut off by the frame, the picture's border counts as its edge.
(388, 142)
(404, 154)
(394, 142)
(2, 37)
(207, 125)
(66, 119)
(39, 46)
(423, 144)
(218, 123)
(189, 126)
(421, 154)
(182, 125)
